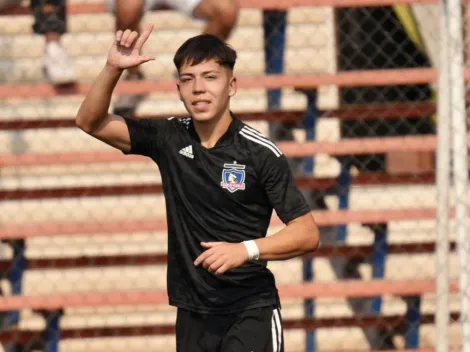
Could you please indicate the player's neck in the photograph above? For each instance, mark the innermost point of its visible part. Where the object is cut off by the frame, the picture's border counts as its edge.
(209, 132)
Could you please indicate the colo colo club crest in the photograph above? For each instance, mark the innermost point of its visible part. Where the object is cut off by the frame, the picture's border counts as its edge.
(233, 177)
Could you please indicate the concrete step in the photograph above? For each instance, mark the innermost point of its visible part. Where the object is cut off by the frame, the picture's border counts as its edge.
(108, 174)
(105, 209)
(83, 280)
(328, 340)
(162, 20)
(392, 197)
(290, 271)
(115, 174)
(163, 315)
(49, 140)
(151, 242)
(297, 61)
(325, 307)
(246, 100)
(162, 42)
(89, 210)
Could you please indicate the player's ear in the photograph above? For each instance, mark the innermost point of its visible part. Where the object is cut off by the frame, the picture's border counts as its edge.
(232, 86)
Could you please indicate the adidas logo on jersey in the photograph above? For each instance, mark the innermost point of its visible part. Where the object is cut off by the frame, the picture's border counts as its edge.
(187, 152)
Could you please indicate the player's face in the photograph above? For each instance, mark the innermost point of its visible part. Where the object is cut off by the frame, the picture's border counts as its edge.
(205, 89)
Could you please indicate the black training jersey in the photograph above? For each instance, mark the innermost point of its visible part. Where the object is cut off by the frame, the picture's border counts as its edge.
(225, 193)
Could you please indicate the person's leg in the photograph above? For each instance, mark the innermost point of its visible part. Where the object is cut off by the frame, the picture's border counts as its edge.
(50, 20)
(258, 329)
(221, 15)
(200, 332)
(128, 14)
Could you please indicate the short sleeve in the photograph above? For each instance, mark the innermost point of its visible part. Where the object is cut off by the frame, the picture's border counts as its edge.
(281, 188)
(147, 136)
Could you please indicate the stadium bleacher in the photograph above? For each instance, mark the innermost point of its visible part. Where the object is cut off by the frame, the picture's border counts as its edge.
(84, 227)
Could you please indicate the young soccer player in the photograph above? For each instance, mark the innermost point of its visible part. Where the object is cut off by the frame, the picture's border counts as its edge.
(221, 180)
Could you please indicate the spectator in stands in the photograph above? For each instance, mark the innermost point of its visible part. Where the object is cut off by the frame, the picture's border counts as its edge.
(50, 21)
(221, 17)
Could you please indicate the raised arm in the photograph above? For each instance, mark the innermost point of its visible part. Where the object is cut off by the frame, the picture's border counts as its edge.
(93, 117)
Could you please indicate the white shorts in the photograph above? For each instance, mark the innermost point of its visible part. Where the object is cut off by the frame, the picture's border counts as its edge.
(185, 6)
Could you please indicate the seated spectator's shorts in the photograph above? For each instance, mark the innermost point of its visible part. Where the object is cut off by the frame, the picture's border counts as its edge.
(9, 3)
(185, 6)
(49, 22)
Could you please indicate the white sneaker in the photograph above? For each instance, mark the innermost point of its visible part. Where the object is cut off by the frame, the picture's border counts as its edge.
(57, 67)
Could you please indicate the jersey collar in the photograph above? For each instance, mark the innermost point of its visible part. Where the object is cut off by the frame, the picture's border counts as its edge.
(226, 139)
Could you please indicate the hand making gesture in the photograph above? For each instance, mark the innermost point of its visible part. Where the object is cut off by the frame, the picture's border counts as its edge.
(219, 257)
(125, 51)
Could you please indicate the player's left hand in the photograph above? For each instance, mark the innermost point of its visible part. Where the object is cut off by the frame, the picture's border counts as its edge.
(222, 256)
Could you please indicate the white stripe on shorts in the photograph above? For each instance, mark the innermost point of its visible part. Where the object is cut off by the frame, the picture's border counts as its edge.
(276, 331)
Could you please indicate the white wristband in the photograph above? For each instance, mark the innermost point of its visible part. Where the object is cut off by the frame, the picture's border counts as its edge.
(252, 249)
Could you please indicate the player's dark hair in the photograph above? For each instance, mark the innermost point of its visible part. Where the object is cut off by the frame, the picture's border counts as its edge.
(202, 48)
